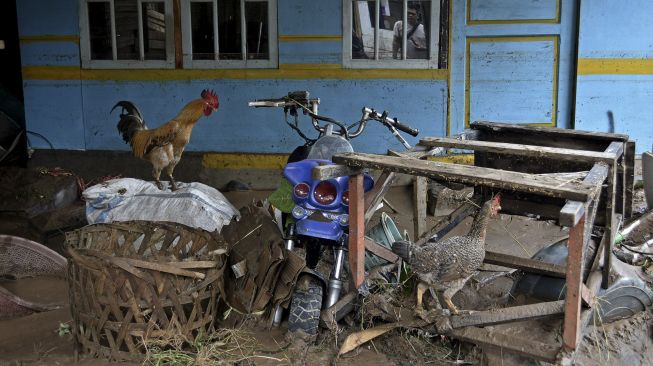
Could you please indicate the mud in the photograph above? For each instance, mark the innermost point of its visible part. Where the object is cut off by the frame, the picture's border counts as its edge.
(41, 339)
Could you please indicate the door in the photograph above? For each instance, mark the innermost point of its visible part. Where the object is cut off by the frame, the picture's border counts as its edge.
(511, 62)
(12, 121)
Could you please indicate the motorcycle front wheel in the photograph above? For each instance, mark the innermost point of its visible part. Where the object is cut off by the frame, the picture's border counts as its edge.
(306, 305)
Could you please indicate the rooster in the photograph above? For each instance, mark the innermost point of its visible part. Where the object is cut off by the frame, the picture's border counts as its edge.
(164, 145)
(447, 265)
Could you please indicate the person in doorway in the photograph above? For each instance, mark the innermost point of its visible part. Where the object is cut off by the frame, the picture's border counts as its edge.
(415, 38)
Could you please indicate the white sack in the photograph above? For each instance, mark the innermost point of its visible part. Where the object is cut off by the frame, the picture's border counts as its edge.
(193, 204)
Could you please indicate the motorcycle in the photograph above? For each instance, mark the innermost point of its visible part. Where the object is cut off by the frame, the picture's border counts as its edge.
(320, 207)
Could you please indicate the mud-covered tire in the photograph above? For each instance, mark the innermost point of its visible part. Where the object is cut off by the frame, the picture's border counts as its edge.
(306, 305)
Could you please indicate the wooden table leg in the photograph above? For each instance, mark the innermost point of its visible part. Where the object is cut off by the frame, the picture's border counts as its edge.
(609, 225)
(356, 229)
(572, 324)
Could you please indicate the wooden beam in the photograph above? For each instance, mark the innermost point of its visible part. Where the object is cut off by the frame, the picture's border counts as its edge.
(525, 264)
(472, 175)
(448, 223)
(572, 325)
(420, 185)
(572, 211)
(323, 172)
(629, 158)
(381, 251)
(609, 229)
(375, 195)
(544, 132)
(519, 345)
(510, 314)
(521, 150)
(356, 230)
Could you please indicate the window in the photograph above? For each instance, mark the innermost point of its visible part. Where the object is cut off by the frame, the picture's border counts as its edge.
(395, 33)
(229, 33)
(126, 34)
(214, 33)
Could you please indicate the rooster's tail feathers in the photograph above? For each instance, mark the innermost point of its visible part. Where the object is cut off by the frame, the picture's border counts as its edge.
(403, 248)
(130, 122)
(129, 107)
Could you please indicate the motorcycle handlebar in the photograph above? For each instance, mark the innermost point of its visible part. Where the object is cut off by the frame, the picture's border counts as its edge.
(394, 122)
(267, 103)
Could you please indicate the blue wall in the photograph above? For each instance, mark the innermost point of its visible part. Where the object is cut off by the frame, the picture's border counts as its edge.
(616, 68)
(74, 113)
(71, 110)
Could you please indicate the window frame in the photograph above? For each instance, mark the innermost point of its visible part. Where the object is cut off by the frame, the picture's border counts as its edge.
(245, 63)
(375, 63)
(85, 40)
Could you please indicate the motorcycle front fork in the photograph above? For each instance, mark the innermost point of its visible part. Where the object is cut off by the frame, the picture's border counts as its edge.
(289, 243)
(335, 282)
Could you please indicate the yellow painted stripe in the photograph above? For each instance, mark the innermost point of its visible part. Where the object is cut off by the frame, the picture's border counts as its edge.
(244, 161)
(464, 159)
(310, 66)
(49, 38)
(238, 161)
(296, 72)
(615, 66)
(310, 38)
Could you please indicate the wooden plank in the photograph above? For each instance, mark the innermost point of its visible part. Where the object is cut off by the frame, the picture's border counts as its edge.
(472, 175)
(381, 251)
(510, 314)
(609, 230)
(356, 230)
(572, 326)
(629, 158)
(420, 185)
(544, 132)
(375, 195)
(447, 224)
(572, 211)
(525, 264)
(323, 172)
(521, 150)
(519, 345)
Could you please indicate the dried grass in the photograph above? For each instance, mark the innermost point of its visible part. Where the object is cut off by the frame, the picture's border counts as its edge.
(223, 347)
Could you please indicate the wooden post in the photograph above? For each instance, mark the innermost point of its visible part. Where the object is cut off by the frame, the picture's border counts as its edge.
(419, 205)
(572, 325)
(609, 222)
(356, 229)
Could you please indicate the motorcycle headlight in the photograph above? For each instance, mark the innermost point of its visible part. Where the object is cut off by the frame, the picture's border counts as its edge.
(325, 193)
(298, 212)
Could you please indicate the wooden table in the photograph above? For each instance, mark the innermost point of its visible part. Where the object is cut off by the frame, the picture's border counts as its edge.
(530, 166)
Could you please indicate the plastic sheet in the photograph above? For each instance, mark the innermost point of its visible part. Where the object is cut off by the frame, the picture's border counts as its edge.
(193, 204)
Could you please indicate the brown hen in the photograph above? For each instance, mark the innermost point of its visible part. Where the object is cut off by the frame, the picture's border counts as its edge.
(446, 265)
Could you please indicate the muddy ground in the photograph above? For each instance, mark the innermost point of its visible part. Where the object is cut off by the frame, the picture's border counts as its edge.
(42, 339)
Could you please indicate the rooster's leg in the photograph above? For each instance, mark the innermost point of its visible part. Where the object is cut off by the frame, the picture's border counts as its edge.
(169, 169)
(156, 173)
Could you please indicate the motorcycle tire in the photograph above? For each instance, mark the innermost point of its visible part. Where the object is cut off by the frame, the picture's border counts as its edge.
(306, 305)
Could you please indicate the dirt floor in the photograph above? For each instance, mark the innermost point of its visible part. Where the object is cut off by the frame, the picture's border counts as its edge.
(44, 338)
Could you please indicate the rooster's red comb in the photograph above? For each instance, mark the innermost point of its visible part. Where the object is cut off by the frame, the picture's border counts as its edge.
(211, 97)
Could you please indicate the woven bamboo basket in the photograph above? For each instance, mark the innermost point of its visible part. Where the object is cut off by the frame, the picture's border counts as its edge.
(135, 282)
